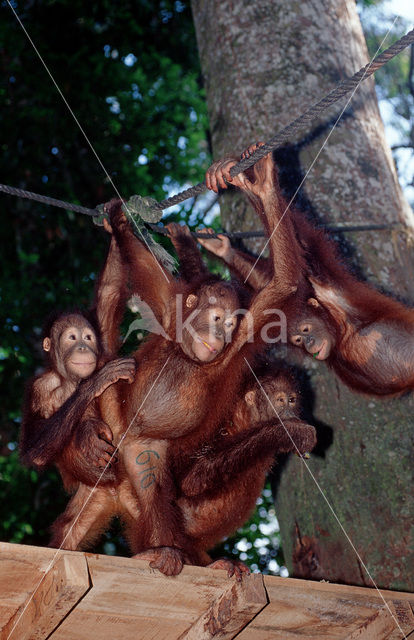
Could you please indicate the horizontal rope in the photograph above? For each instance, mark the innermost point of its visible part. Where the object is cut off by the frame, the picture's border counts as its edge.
(21, 193)
(235, 235)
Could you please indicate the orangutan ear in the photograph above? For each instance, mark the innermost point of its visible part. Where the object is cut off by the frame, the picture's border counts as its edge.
(47, 343)
(313, 302)
(191, 301)
(250, 398)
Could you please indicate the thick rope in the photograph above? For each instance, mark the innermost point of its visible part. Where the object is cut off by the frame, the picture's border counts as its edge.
(235, 235)
(300, 123)
(344, 87)
(20, 193)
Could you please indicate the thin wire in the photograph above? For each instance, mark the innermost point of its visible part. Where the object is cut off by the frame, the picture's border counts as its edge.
(241, 235)
(87, 500)
(319, 152)
(325, 498)
(82, 131)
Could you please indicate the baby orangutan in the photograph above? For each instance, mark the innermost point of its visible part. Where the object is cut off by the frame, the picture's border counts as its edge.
(62, 424)
(364, 335)
(220, 483)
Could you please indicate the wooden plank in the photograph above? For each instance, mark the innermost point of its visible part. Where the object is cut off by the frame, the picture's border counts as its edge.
(62, 586)
(131, 587)
(129, 600)
(404, 612)
(231, 611)
(309, 610)
(21, 569)
(377, 627)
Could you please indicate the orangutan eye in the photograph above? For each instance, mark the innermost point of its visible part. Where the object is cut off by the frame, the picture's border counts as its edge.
(72, 336)
(297, 340)
(306, 328)
(292, 400)
(216, 316)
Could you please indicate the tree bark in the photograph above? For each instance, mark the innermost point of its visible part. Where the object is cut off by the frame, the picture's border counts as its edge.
(263, 64)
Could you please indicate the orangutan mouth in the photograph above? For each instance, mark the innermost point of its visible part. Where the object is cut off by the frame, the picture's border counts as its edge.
(208, 346)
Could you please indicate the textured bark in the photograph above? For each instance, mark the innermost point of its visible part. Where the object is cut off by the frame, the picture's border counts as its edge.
(263, 64)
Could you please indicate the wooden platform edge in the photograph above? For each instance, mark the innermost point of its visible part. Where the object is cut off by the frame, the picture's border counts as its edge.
(60, 589)
(378, 627)
(397, 609)
(232, 610)
(64, 578)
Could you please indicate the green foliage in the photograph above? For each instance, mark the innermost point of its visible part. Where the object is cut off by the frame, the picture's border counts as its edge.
(257, 543)
(30, 502)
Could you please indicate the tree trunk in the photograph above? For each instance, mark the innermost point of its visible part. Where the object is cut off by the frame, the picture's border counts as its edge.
(263, 64)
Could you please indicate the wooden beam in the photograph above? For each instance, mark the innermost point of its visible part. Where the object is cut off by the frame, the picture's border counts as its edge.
(61, 588)
(300, 608)
(231, 611)
(377, 627)
(199, 604)
(404, 612)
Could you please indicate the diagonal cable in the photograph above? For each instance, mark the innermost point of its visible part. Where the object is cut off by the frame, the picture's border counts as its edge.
(327, 501)
(309, 116)
(367, 67)
(83, 133)
(86, 501)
